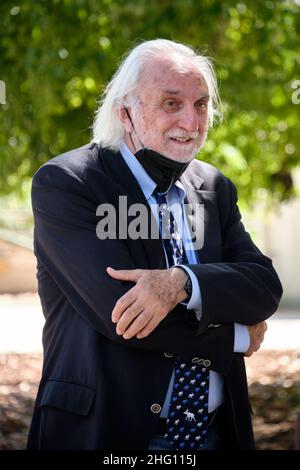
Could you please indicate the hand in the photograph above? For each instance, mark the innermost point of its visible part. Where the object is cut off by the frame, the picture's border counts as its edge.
(144, 306)
(257, 333)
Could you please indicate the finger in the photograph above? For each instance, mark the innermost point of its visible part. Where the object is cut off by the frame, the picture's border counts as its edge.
(124, 274)
(249, 352)
(127, 318)
(148, 329)
(137, 325)
(122, 305)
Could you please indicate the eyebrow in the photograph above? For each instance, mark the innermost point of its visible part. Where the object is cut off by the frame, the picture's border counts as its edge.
(177, 92)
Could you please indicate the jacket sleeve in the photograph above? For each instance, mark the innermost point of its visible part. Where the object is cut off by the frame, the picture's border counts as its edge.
(244, 287)
(67, 247)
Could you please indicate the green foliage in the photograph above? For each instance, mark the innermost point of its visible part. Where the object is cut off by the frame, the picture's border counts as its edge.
(56, 56)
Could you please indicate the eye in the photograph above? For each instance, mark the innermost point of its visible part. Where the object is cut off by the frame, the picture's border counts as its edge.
(171, 105)
(201, 105)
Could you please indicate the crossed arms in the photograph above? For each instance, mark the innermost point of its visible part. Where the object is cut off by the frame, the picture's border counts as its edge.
(67, 247)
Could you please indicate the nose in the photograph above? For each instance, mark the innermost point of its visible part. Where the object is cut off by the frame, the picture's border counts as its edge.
(189, 119)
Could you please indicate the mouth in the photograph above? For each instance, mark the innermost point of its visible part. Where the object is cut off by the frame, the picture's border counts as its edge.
(182, 140)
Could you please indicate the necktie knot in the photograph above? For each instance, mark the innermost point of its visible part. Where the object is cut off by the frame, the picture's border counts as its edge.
(160, 197)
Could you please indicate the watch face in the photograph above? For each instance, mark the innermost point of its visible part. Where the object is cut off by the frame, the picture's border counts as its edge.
(188, 287)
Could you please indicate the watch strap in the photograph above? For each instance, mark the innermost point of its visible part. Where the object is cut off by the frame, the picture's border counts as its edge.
(188, 286)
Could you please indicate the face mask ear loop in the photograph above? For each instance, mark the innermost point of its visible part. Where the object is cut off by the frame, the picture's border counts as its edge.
(165, 192)
(129, 117)
(130, 136)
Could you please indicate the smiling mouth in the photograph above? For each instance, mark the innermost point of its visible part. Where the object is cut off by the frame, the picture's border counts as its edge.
(181, 140)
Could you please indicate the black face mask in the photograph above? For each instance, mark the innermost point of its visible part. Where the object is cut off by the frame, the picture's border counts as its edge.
(162, 170)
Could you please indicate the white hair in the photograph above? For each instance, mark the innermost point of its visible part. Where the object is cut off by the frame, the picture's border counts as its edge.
(120, 91)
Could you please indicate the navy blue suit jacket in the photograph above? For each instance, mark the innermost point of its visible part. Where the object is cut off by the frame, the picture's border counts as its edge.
(97, 390)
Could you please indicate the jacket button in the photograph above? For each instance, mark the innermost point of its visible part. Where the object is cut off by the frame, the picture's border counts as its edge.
(206, 363)
(168, 355)
(155, 408)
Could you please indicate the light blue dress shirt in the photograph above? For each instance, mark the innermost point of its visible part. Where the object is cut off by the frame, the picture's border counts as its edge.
(175, 198)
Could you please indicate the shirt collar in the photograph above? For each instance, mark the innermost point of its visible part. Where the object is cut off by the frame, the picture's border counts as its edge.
(144, 180)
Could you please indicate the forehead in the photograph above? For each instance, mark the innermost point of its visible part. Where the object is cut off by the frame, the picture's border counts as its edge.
(176, 76)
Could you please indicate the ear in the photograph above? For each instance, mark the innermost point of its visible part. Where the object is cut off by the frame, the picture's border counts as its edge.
(125, 121)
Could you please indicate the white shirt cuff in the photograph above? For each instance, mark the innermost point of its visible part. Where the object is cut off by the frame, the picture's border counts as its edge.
(241, 338)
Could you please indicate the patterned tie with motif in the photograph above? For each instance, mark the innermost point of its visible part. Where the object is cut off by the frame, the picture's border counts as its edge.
(187, 421)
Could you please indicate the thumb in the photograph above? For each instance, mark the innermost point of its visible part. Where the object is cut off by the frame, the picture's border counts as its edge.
(124, 274)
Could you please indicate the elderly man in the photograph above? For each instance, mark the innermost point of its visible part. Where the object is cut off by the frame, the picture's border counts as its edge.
(146, 332)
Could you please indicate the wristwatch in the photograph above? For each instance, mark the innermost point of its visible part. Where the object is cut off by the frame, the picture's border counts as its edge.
(188, 286)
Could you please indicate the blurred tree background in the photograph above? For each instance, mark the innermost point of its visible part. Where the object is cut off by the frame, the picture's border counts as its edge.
(57, 55)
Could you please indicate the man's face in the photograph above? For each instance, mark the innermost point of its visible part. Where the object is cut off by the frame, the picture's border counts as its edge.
(171, 116)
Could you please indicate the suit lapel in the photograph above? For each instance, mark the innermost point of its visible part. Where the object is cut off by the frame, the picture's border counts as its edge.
(204, 222)
(128, 186)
